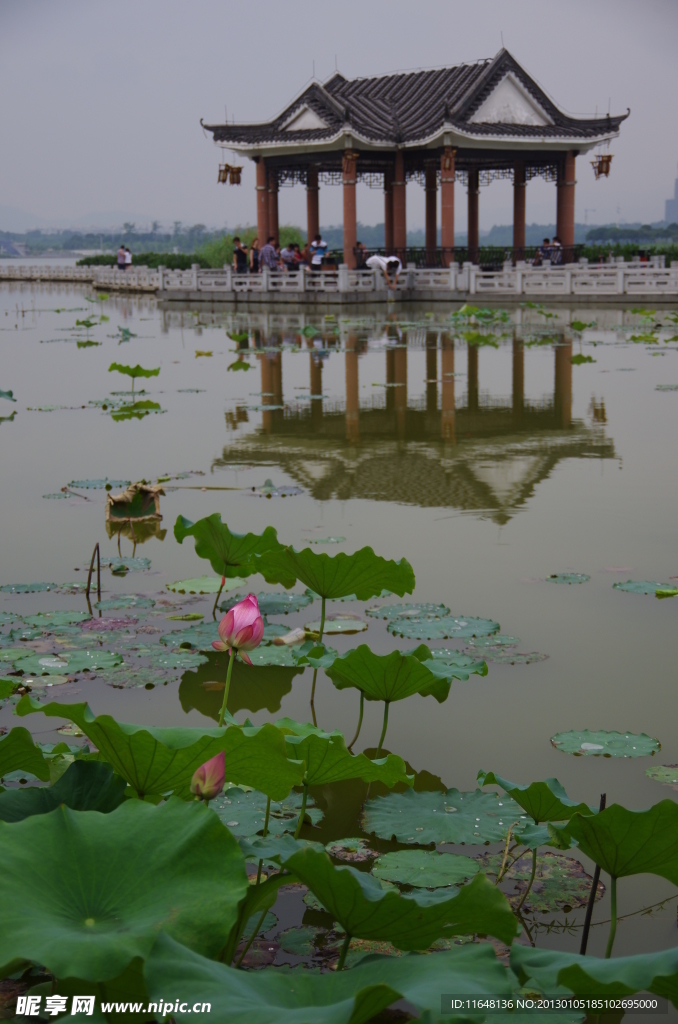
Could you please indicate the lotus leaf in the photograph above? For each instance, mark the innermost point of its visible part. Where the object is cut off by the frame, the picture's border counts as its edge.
(568, 577)
(27, 588)
(204, 585)
(515, 658)
(666, 773)
(328, 760)
(346, 624)
(126, 564)
(271, 655)
(227, 552)
(200, 636)
(84, 786)
(629, 842)
(124, 601)
(588, 975)
(8, 687)
(354, 851)
(362, 573)
(451, 664)
(15, 653)
(244, 812)
(25, 633)
(6, 617)
(408, 611)
(135, 411)
(89, 917)
(412, 921)
(609, 744)
(133, 371)
(424, 868)
(181, 660)
(18, 752)
(641, 587)
(274, 850)
(8, 395)
(560, 883)
(579, 360)
(277, 603)
(69, 662)
(315, 655)
(388, 677)
(337, 997)
(188, 617)
(543, 801)
(157, 761)
(450, 628)
(450, 817)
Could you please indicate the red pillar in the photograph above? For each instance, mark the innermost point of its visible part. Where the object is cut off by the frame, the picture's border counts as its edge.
(262, 202)
(312, 206)
(400, 208)
(431, 189)
(350, 212)
(447, 204)
(273, 204)
(519, 210)
(565, 205)
(473, 227)
(388, 210)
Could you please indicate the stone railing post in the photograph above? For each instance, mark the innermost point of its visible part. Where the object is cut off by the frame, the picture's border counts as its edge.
(343, 277)
(264, 278)
(161, 283)
(195, 267)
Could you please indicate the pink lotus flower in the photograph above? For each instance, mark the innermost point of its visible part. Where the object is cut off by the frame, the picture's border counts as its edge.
(208, 780)
(241, 628)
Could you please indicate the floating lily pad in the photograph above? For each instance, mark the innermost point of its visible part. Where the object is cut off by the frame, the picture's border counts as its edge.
(243, 813)
(15, 653)
(560, 885)
(275, 603)
(494, 640)
(514, 657)
(448, 628)
(98, 485)
(415, 612)
(454, 664)
(204, 585)
(6, 617)
(353, 851)
(300, 941)
(269, 490)
(271, 654)
(450, 817)
(326, 540)
(424, 869)
(609, 744)
(666, 773)
(45, 620)
(180, 659)
(200, 637)
(338, 624)
(70, 662)
(568, 577)
(132, 677)
(641, 586)
(27, 588)
(666, 387)
(125, 601)
(188, 617)
(127, 564)
(25, 633)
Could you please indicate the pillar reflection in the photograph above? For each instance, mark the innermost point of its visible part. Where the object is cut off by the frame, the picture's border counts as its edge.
(518, 390)
(472, 378)
(431, 372)
(447, 413)
(352, 390)
(563, 382)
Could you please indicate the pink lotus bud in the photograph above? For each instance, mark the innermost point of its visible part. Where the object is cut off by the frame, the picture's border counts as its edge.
(241, 628)
(208, 780)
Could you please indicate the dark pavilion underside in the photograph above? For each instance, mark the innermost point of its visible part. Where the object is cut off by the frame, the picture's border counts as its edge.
(469, 124)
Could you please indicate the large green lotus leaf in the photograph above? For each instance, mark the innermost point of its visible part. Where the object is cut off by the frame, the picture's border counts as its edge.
(641, 586)
(590, 976)
(460, 627)
(424, 869)
(68, 662)
(408, 611)
(560, 883)
(8, 687)
(412, 921)
(227, 552)
(47, 619)
(156, 761)
(83, 893)
(629, 842)
(666, 773)
(609, 744)
(204, 585)
(276, 603)
(313, 654)
(244, 812)
(388, 677)
(363, 573)
(84, 786)
(18, 752)
(451, 817)
(269, 655)
(543, 801)
(133, 371)
(328, 760)
(273, 849)
(337, 997)
(448, 663)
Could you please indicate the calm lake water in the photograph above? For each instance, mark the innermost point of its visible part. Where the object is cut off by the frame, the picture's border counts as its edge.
(488, 466)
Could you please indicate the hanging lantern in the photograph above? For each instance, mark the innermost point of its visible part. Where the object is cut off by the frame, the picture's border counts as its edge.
(601, 165)
(234, 175)
(223, 174)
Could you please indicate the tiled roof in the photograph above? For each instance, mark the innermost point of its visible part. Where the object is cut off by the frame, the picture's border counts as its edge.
(404, 109)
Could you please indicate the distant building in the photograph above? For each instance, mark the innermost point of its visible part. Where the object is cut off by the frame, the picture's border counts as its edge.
(671, 211)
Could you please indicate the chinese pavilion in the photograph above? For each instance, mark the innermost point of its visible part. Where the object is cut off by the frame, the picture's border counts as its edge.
(470, 124)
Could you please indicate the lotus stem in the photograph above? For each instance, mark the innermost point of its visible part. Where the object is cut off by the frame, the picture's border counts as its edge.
(613, 916)
(529, 884)
(592, 894)
(322, 621)
(216, 599)
(385, 727)
(360, 721)
(268, 811)
(228, 686)
(251, 939)
(502, 869)
(344, 951)
(315, 676)
(302, 812)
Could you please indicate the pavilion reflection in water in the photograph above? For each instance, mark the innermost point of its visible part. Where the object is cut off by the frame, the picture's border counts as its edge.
(484, 455)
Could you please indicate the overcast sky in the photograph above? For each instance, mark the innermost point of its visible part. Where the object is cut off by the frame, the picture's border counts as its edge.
(101, 100)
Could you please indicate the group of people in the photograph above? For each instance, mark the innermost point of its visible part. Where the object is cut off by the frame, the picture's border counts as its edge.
(549, 251)
(292, 257)
(124, 258)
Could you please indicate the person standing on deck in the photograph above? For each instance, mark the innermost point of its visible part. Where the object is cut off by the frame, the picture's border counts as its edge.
(318, 249)
(267, 256)
(121, 257)
(254, 257)
(128, 259)
(239, 256)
